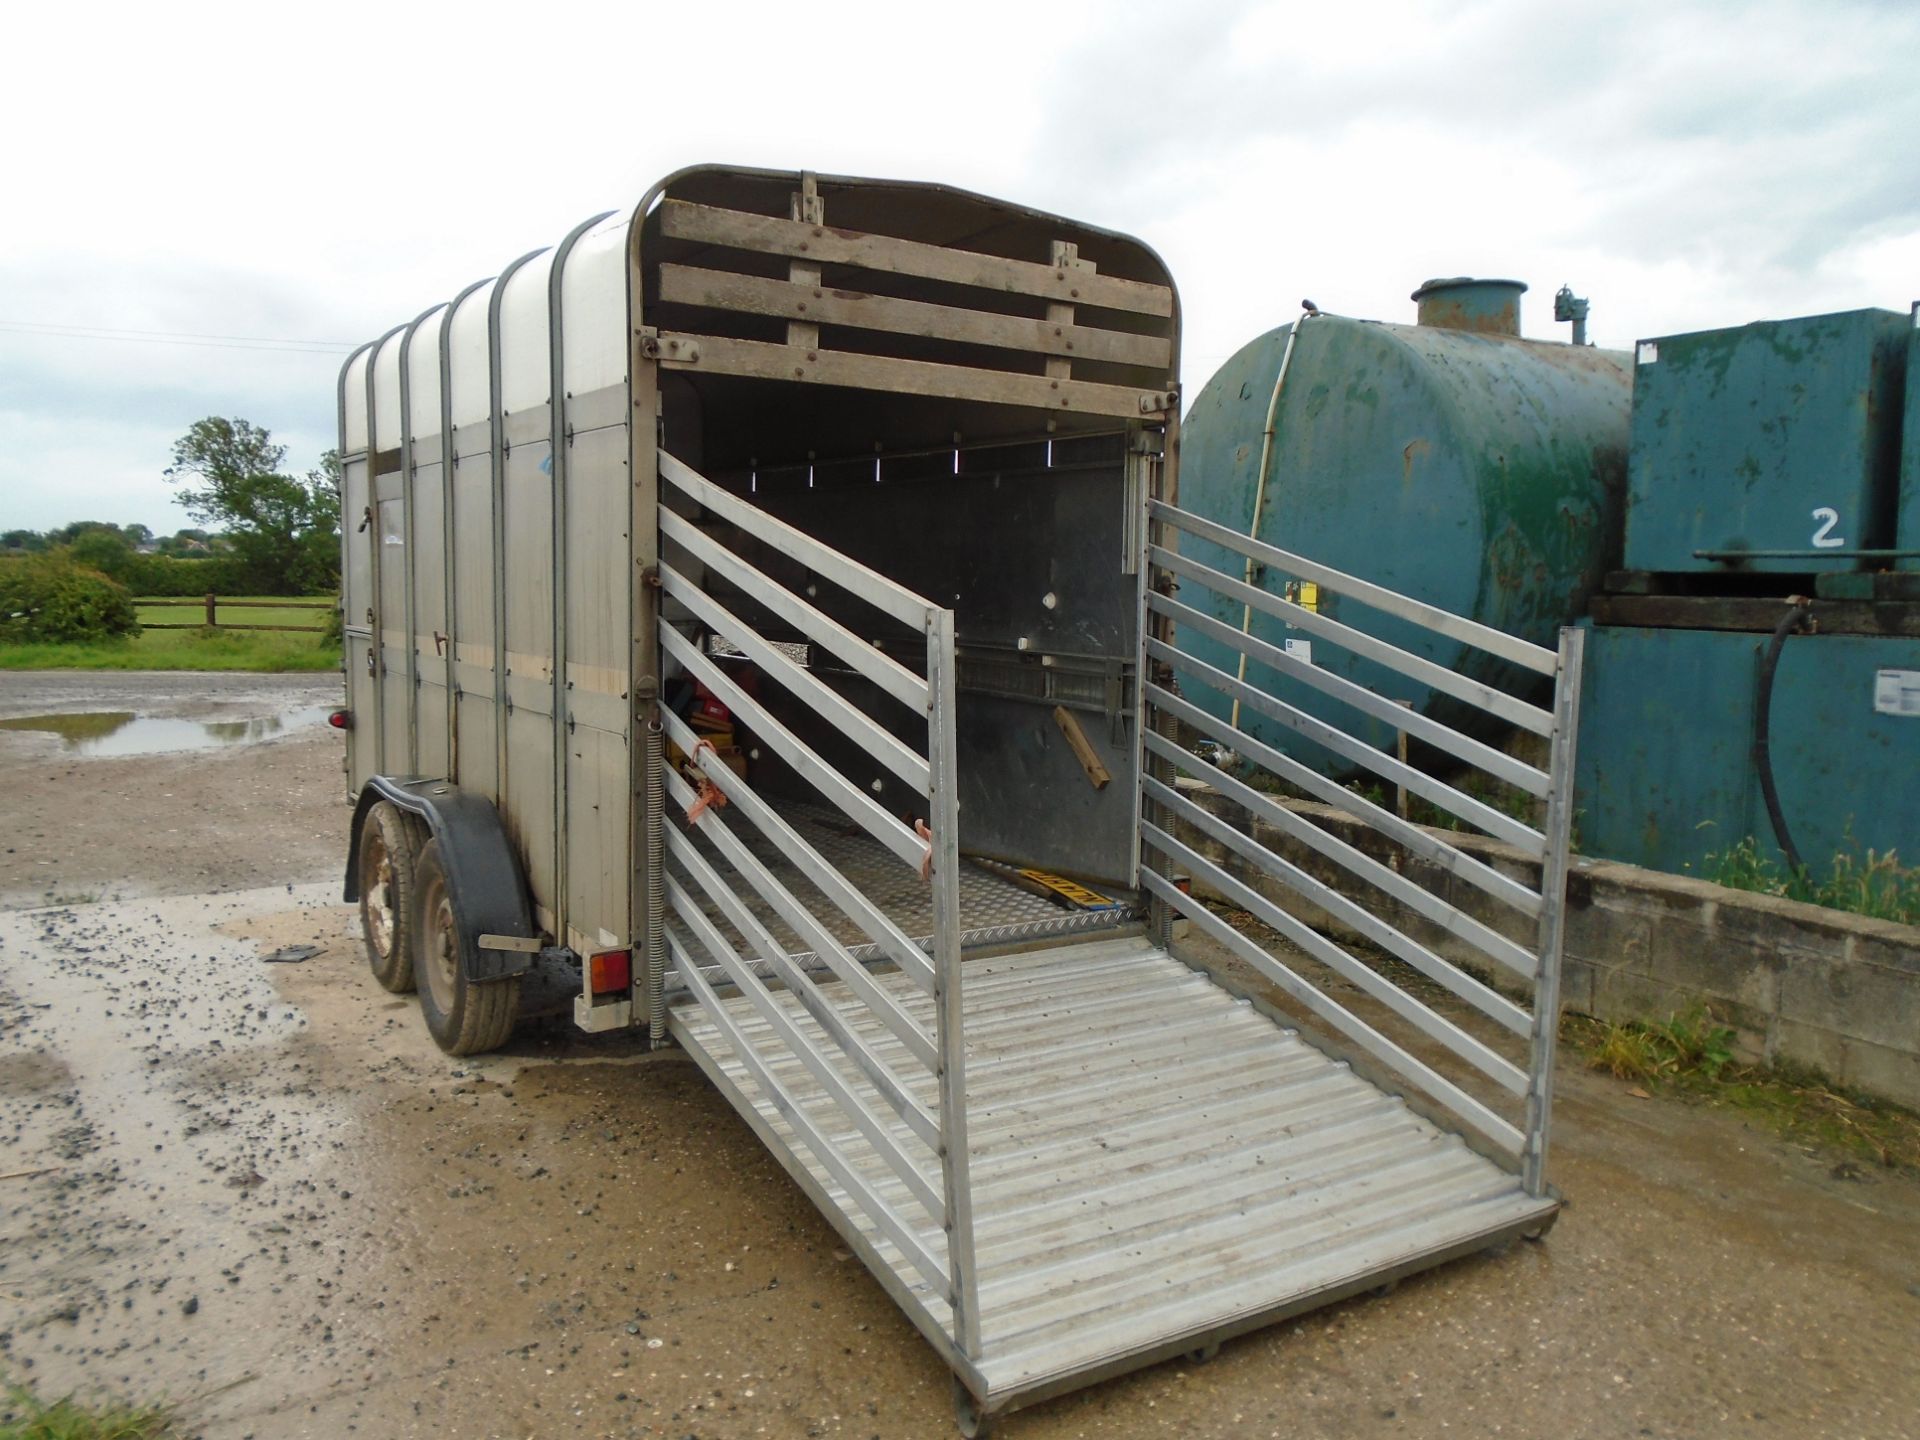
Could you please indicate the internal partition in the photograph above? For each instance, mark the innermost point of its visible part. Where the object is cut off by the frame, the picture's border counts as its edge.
(1026, 544)
(810, 726)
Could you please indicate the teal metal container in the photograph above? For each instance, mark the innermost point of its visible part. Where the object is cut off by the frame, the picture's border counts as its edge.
(1476, 471)
(1665, 771)
(1780, 436)
(1906, 526)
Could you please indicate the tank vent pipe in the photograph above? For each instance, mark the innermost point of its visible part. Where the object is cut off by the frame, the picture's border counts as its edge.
(1568, 306)
(1308, 311)
(1463, 302)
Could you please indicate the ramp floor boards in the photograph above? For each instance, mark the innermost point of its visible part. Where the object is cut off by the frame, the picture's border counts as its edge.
(1154, 1163)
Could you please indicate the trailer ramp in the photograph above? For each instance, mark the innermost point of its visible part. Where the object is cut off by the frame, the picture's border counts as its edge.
(1073, 1160)
(1155, 1164)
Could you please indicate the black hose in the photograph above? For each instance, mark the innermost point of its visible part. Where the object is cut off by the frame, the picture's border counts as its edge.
(1796, 618)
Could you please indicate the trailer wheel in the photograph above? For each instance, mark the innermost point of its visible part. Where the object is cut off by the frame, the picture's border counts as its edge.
(390, 839)
(465, 1017)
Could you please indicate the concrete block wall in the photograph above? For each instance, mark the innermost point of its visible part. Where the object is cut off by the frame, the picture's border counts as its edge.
(1797, 982)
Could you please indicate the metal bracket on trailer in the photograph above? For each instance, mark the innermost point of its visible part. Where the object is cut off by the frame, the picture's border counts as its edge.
(484, 878)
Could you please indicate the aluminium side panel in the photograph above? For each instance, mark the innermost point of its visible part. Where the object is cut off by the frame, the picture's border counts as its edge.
(600, 759)
(392, 557)
(427, 473)
(526, 551)
(472, 735)
(356, 568)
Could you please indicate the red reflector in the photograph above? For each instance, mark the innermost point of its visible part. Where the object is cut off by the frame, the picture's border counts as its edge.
(610, 970)
(341, 719)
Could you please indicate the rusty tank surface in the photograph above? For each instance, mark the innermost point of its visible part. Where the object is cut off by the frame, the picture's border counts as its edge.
(1450, 460)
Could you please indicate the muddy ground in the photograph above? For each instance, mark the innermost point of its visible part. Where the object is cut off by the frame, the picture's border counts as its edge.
(81, 828)
(258, 1188)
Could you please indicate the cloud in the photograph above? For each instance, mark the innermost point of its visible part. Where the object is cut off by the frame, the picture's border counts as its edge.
(229, 170)
(1685, 165)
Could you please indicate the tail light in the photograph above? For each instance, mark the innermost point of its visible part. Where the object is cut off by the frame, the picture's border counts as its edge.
(609, 971)
(341, 719)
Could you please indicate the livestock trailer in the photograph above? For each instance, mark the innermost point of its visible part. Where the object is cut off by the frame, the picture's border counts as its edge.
(763, 604)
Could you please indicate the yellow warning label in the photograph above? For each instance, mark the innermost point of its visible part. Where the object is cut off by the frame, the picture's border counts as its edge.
(1069, 890)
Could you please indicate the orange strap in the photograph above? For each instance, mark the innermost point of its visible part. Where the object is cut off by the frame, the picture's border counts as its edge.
(926, 860)
(711, 797)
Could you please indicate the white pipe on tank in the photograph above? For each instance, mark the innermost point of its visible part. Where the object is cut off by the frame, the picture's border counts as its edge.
(1260, 483)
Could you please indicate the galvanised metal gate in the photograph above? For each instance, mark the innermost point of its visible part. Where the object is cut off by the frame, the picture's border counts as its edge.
(831, 1012)
(1144, 1163)
(1495, 1082)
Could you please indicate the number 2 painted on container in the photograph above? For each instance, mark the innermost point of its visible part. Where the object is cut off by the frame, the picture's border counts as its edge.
(1824, 538)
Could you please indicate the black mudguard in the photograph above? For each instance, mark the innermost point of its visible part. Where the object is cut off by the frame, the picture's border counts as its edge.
(484, 878)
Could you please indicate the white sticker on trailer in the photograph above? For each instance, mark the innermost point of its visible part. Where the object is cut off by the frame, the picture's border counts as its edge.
(1300, 650)
(1897, 692)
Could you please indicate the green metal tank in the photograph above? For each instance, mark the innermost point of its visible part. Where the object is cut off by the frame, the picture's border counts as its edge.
(1450, 460)
(1906, 532)
(1769, 447)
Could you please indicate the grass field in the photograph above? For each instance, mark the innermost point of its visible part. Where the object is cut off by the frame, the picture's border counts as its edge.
(196, 649)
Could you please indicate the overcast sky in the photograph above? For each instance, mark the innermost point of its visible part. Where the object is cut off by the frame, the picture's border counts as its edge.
(267, 174)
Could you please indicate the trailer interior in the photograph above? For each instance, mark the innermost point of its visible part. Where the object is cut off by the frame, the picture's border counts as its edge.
(1016, 517)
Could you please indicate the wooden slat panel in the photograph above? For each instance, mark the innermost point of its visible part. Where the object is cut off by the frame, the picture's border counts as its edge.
(757, 295)
(772, 235)
(764, 361)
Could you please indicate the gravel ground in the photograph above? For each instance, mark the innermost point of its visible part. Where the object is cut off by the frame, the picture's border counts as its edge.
(259, 1188)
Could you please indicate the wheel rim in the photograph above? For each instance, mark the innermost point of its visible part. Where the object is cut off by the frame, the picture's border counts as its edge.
(379, 904)
(440, 946)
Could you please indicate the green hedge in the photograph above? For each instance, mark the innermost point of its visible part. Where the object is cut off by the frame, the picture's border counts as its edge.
(169, 575)
(50, 599)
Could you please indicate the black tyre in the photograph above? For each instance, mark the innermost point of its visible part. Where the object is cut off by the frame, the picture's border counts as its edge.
(390, 839)
(465, 1017)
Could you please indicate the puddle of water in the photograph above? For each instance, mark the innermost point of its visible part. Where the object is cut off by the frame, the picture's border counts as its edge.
(124, 732)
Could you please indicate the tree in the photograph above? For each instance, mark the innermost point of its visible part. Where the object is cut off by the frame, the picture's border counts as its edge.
(23, 540)
(185, 542)
(67, 534)
(102, 548)
(285, 530)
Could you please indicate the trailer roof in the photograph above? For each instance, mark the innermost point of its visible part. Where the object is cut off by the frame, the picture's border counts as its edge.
(960, 297)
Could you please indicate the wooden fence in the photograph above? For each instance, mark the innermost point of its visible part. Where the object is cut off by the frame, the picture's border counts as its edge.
(212, 605)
